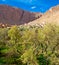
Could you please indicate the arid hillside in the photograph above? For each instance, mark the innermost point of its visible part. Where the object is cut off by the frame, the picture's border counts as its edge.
(51, 16)
(10, 15)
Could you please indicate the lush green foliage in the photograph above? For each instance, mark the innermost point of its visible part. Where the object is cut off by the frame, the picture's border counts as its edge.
(29, 45)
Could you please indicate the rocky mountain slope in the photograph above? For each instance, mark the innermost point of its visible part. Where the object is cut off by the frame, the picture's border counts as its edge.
(10, 15)
(51, 16)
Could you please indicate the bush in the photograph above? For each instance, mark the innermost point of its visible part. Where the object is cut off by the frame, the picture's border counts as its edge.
(42, 60)
(30, 45)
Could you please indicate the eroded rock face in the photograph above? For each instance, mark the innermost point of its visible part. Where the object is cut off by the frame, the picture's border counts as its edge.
(10, 15)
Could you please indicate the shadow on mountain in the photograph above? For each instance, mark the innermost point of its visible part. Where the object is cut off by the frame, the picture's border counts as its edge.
(12, 16)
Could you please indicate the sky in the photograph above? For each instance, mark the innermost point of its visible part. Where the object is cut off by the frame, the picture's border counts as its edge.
(31, 5)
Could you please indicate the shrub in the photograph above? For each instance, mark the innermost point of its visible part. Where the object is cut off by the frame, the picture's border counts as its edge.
(30, 46)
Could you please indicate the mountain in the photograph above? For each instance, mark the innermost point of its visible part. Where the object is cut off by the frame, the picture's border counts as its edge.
(51, 16)
(11, 15)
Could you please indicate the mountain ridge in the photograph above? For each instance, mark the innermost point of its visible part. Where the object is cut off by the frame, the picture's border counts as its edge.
(11, 15)
(51, 16)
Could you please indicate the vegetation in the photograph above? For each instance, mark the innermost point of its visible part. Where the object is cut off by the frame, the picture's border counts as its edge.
(29, 45)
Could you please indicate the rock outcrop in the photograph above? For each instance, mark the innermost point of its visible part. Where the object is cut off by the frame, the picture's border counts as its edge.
(51, 16)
